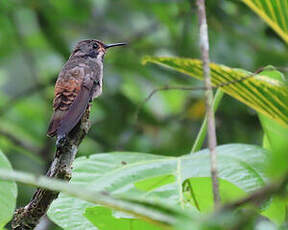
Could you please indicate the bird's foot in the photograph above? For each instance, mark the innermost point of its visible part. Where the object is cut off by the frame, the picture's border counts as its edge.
(60, 141)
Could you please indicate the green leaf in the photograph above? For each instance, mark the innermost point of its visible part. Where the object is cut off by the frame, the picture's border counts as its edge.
(265, 142)
(276, 140)
(271, 72)
(8, 194)
(152, 212)
(201, 187)
(275, 135)
(274, 13)
(154, 182)
(262, 93)
(276, 210)
(156, 178)
(103, 219)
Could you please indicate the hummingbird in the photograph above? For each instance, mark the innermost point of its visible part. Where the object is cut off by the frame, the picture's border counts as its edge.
(78, 83)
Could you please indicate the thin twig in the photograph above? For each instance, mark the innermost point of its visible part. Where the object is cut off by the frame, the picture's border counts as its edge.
(204, 46)
(248, 76)
(164, 88)
(188, 88)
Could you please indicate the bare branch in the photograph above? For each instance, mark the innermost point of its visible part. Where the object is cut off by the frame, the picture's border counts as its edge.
(188, 88)
(164, 88)
(29, 216)
(204, 46)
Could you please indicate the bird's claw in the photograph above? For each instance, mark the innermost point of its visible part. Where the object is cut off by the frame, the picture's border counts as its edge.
(60, 141)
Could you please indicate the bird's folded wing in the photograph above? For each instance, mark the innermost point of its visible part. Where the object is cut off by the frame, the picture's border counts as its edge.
(76, 110)
(73, 91)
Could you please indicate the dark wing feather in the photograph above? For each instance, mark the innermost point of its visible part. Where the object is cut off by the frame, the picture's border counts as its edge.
(73, 91)
(76, 110)
(54, 122)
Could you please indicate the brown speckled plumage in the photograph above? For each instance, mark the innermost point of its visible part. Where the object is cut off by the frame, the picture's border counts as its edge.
(78, 83)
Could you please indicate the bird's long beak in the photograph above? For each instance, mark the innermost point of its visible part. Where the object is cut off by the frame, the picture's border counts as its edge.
(115, 44)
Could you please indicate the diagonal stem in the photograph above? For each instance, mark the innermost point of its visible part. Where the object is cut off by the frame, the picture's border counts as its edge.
(203, 130)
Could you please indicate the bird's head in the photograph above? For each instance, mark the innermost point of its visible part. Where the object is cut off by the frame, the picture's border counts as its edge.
(93, 48)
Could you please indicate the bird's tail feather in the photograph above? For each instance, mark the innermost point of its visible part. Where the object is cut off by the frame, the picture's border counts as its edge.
(54, 123)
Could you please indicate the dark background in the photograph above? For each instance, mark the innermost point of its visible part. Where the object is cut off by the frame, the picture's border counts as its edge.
(36, 38)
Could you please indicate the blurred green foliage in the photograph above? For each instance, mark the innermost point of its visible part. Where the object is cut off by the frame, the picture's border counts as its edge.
(36, 38)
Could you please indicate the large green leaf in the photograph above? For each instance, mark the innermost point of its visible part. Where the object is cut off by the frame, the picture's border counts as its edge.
(8, 194)
(156, 178)
(204, 195)
(275, 140)
(262, 93)
(277, 137)
(157, 214)
(273, 12)
(102, 218)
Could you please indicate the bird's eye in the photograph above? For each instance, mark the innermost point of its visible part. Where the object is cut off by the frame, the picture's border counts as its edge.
(95, 46)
